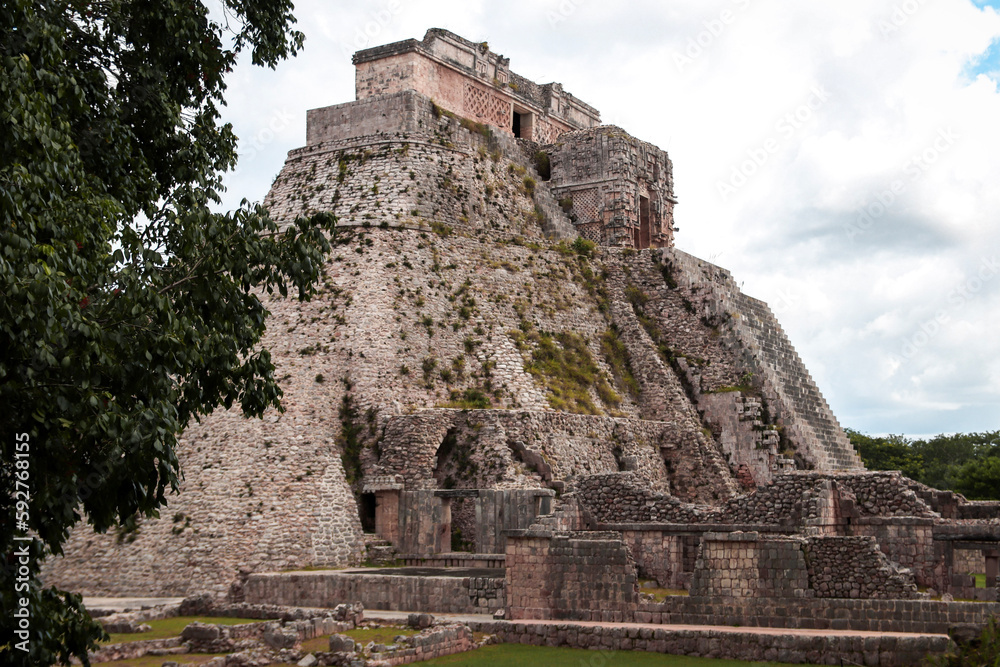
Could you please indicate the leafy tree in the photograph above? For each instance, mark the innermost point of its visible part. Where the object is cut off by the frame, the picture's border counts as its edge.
(978, 479)
(127, 308)
(968, 463)
(945, 454)
(893, 452)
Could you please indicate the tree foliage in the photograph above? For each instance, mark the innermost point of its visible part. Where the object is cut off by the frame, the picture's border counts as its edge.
(127, 307)
(968, 463)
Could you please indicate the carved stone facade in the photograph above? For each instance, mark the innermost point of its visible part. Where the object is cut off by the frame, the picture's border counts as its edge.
(473, 82)
(619, 190)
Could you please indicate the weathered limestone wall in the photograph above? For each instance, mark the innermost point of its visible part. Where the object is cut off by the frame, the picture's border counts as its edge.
(854, 567)
(471, 81)
(452, 595)
(742, 565)
(792, 397)
(255, 494)
(497, 447)
(798, 498)
(745, 565)
(908, 542)
(581, 576)
(918, 616)
(426, 517)
(620, 189)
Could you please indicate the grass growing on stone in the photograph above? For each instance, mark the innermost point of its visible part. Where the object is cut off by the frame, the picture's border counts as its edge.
(384, 635)
(519, 655)
(659, 594)
(172, 627)
(563, 363)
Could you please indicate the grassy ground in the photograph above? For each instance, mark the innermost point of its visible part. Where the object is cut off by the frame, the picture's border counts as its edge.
(518, 655)
(172, 627)
(361, 636)
(659, 594)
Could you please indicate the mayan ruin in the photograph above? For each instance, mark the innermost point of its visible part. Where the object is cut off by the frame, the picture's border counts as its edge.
(511, 372)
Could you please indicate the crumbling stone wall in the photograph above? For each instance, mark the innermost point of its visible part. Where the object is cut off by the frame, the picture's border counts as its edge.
(456, 595)
(570, 576)
(624, 498)
(796, 498)
(853, 567)
(519, 449)
(743, 565)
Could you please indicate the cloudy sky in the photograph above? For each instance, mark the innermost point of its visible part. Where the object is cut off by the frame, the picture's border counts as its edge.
(841, 158)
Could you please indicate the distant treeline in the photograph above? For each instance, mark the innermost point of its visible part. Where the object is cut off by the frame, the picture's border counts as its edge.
(968, 463)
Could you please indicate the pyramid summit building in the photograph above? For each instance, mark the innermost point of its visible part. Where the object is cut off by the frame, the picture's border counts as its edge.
(509, 365)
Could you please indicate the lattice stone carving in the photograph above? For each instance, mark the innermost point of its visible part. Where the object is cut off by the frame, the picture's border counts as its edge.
(591, 231)
(545, 132)
(486, 107)
(585, 205)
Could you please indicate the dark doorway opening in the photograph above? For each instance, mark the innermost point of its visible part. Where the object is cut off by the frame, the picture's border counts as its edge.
(366, 508)
(643, 222)
(522, 126)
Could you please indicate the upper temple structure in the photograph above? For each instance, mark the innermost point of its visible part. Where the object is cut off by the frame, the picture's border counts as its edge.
(509, 364)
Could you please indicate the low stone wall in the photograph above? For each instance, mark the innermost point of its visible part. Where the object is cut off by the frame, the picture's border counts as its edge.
(575, 576)
(743, 565)
(731, 643)
(907, 541)
(916, 616)
(429, 644)
(455, 559)
(137, 649)
(454, 595)
(853, 567)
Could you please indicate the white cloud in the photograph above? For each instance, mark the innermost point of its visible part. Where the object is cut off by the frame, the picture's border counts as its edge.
(899, 75)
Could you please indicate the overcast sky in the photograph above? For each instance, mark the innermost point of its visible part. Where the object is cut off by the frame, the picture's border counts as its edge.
(840, 158)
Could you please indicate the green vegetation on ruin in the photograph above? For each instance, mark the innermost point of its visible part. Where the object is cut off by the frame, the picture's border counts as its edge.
(564, 365)
(615, 353)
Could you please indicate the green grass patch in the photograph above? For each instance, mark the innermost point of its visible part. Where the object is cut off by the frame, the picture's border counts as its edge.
(659, 594)
(563, 363)
(469, 399)
(172, 627)
(519, 655)
(980, 580)
(363, 635)
(617, 357)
